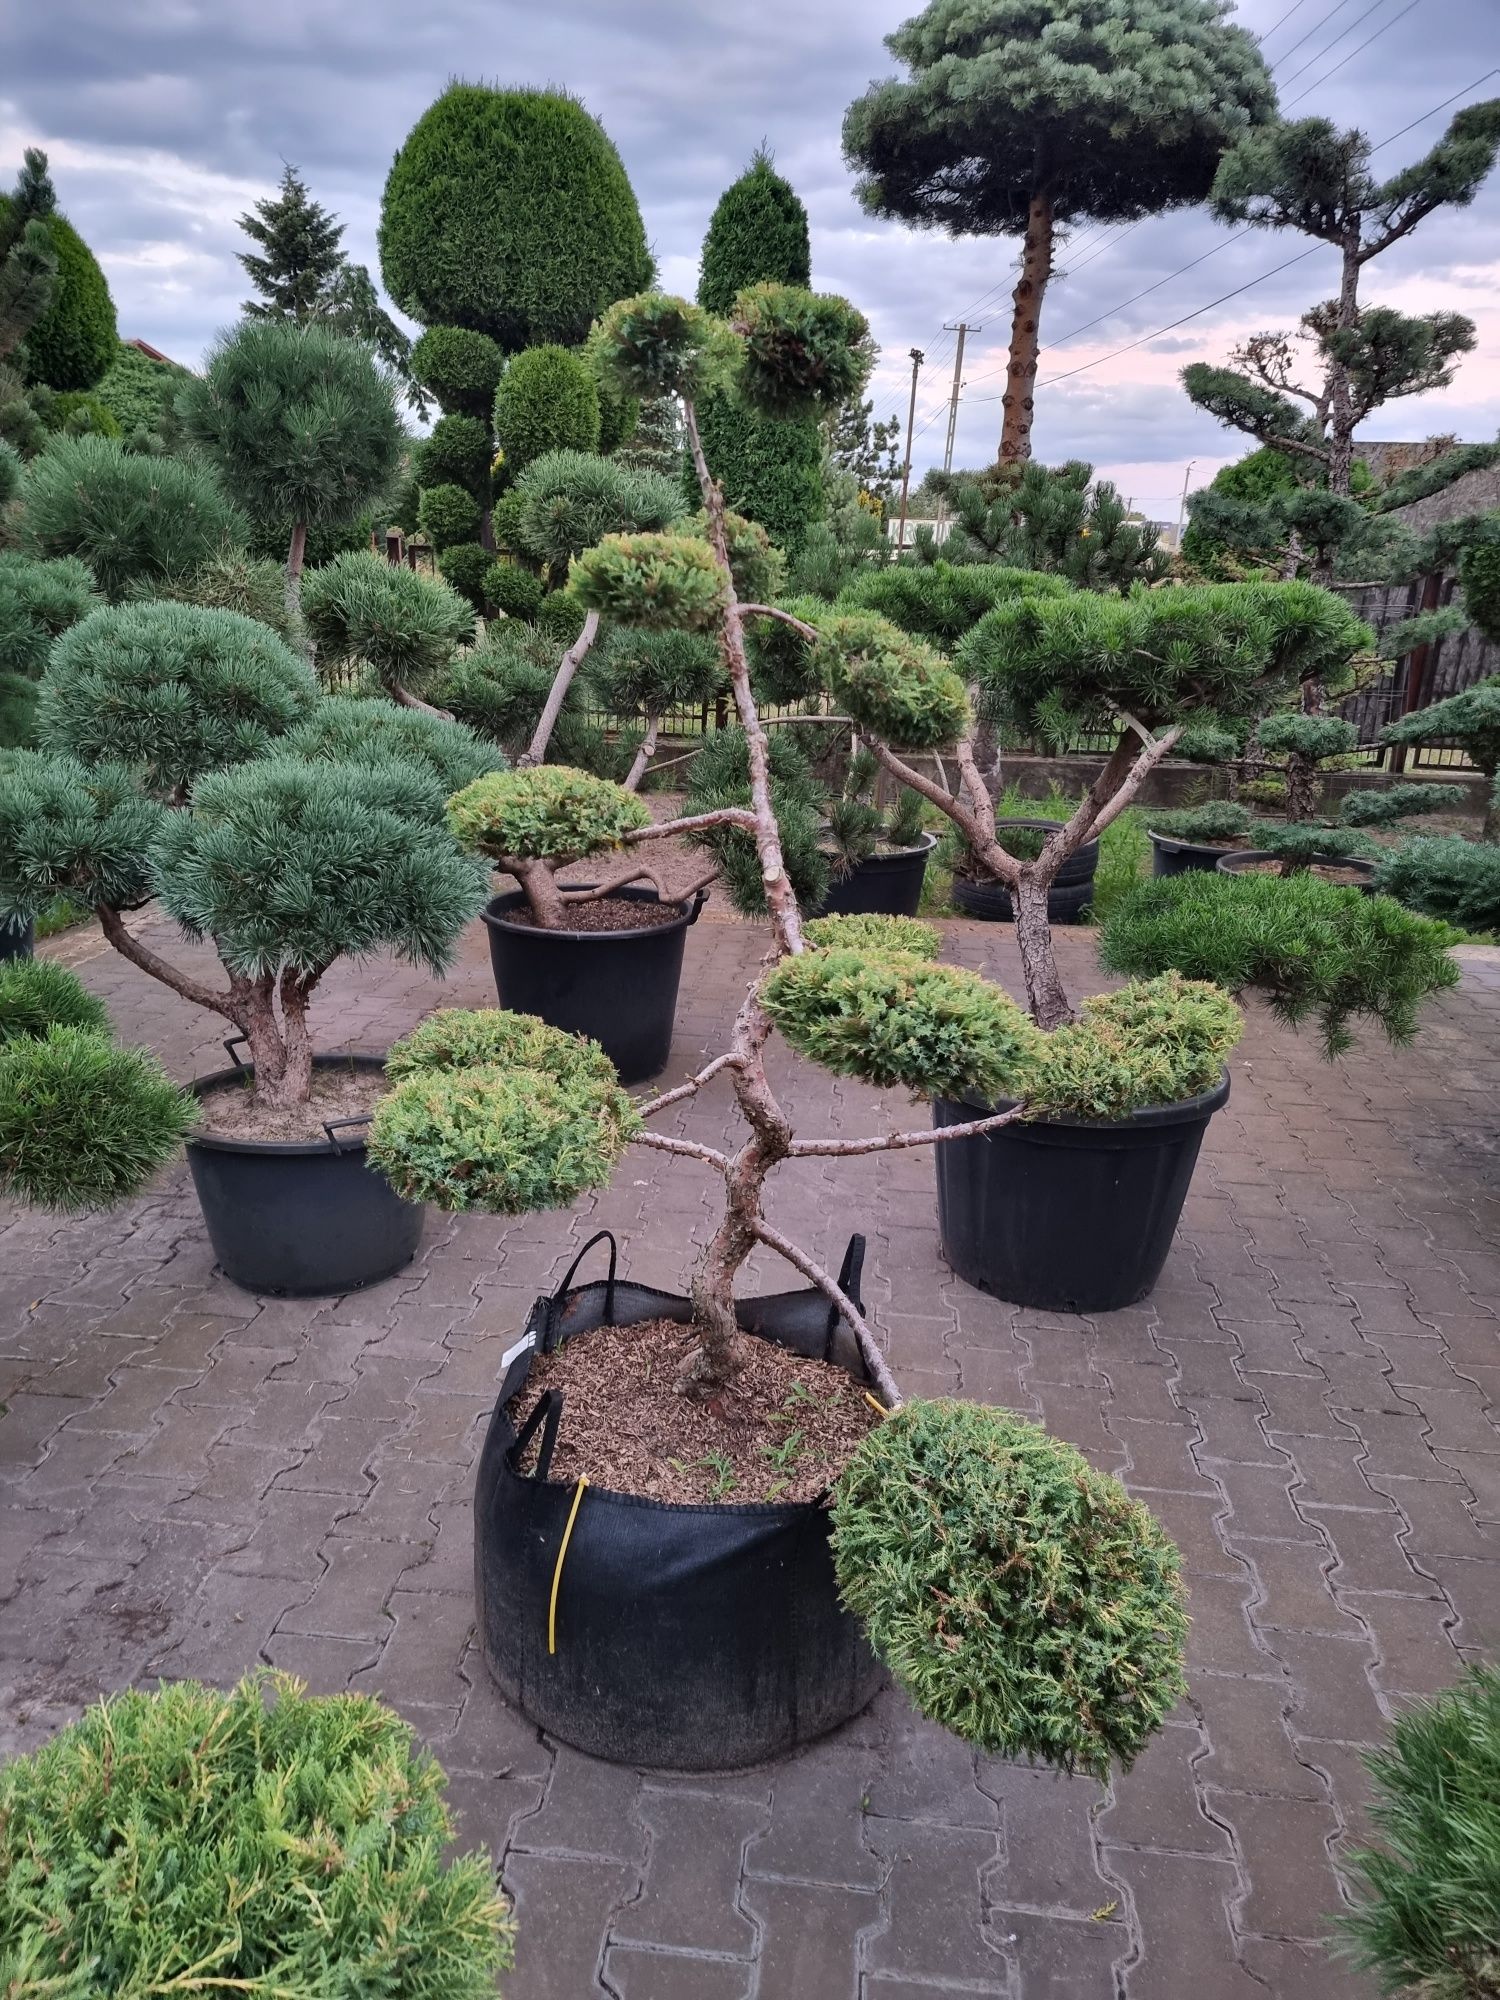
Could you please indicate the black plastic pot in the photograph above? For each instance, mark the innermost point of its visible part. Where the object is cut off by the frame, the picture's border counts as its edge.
(1063, 1214)
(302, 1218)
(618, 986)
(1252, 857)
(1070, 895)
(17, 936)
(687, 1638)
(1184, 857)
(886, 885)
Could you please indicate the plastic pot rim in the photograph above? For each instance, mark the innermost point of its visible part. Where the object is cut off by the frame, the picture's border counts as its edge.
(494, 914)
(1147, 1117)
(220, 1142)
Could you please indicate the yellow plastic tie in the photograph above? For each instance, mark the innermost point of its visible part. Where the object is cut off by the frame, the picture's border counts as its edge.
(561, 1556)
(879, 1408)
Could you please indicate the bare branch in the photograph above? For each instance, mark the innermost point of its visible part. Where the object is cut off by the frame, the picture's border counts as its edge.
(869, 1347)
(643, 755)
(405, 699)
(798, 625)
(568, 666)
(689, 1089)
(660, 829)
(895, 1142)
(688, 1148)
(141, 955)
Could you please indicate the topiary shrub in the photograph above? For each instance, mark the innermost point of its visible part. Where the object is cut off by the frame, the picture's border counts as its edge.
(132, 520)
(756, 565)
(347, 729)
(771, 469)
(139, 390)
(73, 342)
(548, 400)
(231, 581)
(37, 994)
(1219, 823)
(1426, 1915)
(719, 776)
(457, 452)
(1020, 1598)
(508, 211)
(871, 933)
(940, 601)
(72, 831)
(568, 500)
(499, 688)
(1455, 880)
(455, 1038)
(78, 413)
(362, 610)
(651, 580)
(644, 673)
(464, 567)
(447, 515)
(1315, 949)
(460, 367)
(548, 814)
(1158, 1041)
(292, 1843)
(559, 618)
(38, 602)
(890, 683)
(83, 1124)
(1472, 721)
(512, 591)
(171, 690)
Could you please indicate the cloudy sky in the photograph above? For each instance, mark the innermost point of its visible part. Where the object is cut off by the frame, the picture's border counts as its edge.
(165, 119)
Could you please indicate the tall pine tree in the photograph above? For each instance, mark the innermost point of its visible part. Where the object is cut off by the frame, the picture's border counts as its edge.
(770, 469)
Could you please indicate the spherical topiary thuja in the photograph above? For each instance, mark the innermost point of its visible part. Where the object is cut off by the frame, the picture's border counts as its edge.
(464, 566)
(893, 1019)
(512, 590)
(73, 342)
(447, 515)
(509, 211)
(457, 452)
(1022, 1599)
(551, 813)
(83, 1124)
(171, 688)
(293, 1846)
(547, 400)
(460, 367)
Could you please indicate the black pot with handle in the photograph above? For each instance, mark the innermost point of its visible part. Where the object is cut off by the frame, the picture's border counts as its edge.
(882, 885)
(1071, 892)
(1068, 1214)
(685, 1638)
(1184, 857)
(301, 1218)
(620, 987)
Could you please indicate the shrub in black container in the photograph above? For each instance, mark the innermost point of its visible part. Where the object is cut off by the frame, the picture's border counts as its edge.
(259, 1841)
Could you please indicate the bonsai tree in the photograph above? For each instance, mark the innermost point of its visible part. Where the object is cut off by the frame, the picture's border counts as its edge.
(1470, 721)
(1216, 823)
(365, 613)
(640, 675)
(1058, 521)
(186, 755)
(301, 424)
(302, 1836)
(1020, 117)
(1427, 1899)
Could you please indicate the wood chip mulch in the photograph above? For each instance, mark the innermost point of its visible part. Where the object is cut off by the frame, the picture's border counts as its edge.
(782, 1430)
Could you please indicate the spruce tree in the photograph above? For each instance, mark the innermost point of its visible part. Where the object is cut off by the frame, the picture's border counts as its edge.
(1022, 116)
(770, 468)
(299, 260)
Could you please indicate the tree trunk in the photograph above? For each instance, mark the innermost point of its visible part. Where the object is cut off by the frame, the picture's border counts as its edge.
(1044, 989)
(1301, 787)
(568, 666)
(1340, 395)
(296, 551)
(643, 755)
(543, 897)
(1020, 372)
(1491, 827)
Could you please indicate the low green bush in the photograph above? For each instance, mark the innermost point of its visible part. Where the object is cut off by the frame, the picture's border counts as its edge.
(351, 729)
(551, 813)
(871, 933)
(1426, 1916)
(501, 1139)
(1456, 880)
(362, 610)
(1298, 844)
(1020, 1598)
(1316, 949)
(83, 1124)
(559, 617)
(891, 1019)
(512, 590)
(261, 1841)
(1209, 824)
(1382, 808)
(655, 580)
(1159, 1041)
(457, 1038)
(36, 994)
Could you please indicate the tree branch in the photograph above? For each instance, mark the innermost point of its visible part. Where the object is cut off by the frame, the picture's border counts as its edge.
(739, 816)
(143, 957)
(798, 625)
(641, 873)
(568, 666)
(688, 1148)
(689, 1089)
(895, 1142)
(869, 1347)
(405, 699)
(643, 755)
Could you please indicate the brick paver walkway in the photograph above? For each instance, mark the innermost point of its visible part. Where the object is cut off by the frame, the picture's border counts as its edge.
(197, 1479)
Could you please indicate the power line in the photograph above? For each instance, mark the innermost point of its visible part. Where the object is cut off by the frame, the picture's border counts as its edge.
(1358, 21)
(1280, 22)
(1318, 82)
(1338, 8)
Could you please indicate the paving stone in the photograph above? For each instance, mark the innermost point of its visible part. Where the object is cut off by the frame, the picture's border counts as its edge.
(1220, 1637)
(1329, 1473)
(1161, 1456)
(1156, 1802)
(421, 1656)
(1062, 1958)
(226, 1624)
(1182, 1912)
(327, 1665)
(635, 1974)
(1480, 1471)
(589, 1809)
(348, 1601)
(927, 1775)
(1250, 1747)
(809, 1937)
(1283, 1847)
(1368, 1554)
(1333, 1697)
(338, 1457)
(562, 1910)
(1049, 1859)
(816, 1832)
(933, 1904)
(688, 1897)
(1261, 1504)
(1292, 1588)
(1416, 1651)
(1302, 1971)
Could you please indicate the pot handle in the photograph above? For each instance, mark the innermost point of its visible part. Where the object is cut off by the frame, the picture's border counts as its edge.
(850, 1273)
(547, 1411)
(333, 1126)
(234, 1044)
(554, 1304)
(700, 897)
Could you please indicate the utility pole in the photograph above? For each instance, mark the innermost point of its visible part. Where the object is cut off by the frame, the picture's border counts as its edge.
(1182, 503)
(963, 330)
(911, 418)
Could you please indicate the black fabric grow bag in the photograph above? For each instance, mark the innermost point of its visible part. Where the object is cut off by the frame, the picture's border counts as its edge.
(620, 987)
(1184, 857)
(1071, 892)
(1250, 858)
(687, 1638)
(304, 1218)
(1063, 1214)
(17, 936)
(885, 885)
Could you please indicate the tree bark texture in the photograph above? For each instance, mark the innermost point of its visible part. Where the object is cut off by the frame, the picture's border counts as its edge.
(295, 554)
(1020, 372)
(568, 666)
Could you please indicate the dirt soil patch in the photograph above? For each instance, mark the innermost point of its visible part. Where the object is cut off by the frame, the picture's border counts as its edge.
(229, 1111)
(783, 1429)
(609, 913)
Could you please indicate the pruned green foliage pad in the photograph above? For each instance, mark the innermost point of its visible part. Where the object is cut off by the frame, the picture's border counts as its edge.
(460, 1038)
(655, 580)
(756, 564)
(657, 345)
(568, 500)
(37, 994)
(1317, 950)
(404, 626)
(872, 933)
(805, 353)
(172, 689)
(70, 829)
(892, 1019)
(897, 687)
(1020, 1598)
(1455, 880)
(1398, 802)
(1218, 820)
(552, 813)
(83, 1124)
(1158, 1041)
(1426, 1917)
(343, 729)
(261, 1842)
(502, 1139)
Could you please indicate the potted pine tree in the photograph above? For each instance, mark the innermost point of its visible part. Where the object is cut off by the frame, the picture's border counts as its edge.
(186, 756)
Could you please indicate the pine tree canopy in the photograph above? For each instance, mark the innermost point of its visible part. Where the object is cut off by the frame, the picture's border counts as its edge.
(1114, 108)
(299, 256)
